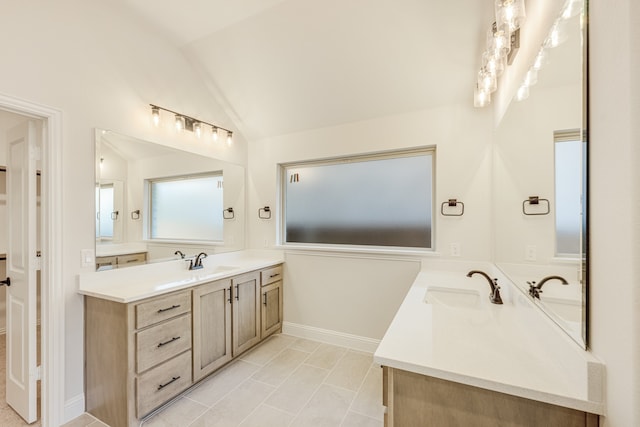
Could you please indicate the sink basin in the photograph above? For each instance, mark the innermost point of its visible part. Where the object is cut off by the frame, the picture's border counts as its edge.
(221, 269)
(452, 297)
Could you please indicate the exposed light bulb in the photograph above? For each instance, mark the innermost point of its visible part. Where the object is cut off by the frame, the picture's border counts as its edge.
(179, 123)
(214, 133)
(481, 98)
(155, 115)
(229, 137)
(522, 93)
(197, 128)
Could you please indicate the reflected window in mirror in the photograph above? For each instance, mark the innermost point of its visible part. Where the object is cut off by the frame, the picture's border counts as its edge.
(105, 212)
(186, 208)
(568, 191)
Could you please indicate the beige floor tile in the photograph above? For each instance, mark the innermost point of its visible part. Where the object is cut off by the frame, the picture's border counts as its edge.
(280, 367)
(358, 420)
(368, 401)
(222, 382)
(351, 370)
(326, 356)
(83, 420)
(305, 345)
(296, 391)
(179, 414)
(326, 408)
(266, 351)
(236, 406)
(266, 416)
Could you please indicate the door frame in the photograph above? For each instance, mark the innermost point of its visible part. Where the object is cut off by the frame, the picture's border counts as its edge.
(52, 312)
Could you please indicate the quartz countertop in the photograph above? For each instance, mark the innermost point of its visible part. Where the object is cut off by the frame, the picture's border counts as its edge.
(136, 283)
(511, 348)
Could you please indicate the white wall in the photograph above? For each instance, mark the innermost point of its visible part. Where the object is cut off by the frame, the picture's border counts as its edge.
(360, 296)
(615, 204)
(102, 68)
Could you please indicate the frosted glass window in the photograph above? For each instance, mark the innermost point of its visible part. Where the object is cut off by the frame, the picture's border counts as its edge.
(186, 208)
(568, 183)
(361, 201)
(105, 221)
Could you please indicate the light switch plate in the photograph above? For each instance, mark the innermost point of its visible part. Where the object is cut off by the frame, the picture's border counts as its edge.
(88, 257)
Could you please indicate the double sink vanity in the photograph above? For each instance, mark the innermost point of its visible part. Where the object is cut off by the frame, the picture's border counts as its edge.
(155, 330)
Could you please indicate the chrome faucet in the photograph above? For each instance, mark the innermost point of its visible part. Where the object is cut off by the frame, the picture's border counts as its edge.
(179, 253)
(197, 264)
(536, 290)
(494, 296)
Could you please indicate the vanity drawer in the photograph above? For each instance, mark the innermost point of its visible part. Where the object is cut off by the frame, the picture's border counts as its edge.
(162, 342)
(271, 275)
(106, 262)
(131, 259)
(163, 382)
(157, 310)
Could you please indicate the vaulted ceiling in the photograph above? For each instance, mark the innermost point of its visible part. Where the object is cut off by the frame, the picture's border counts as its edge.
(281, 66)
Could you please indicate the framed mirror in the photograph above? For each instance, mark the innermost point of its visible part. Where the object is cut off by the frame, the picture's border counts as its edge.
(156, 203)
(540, 184)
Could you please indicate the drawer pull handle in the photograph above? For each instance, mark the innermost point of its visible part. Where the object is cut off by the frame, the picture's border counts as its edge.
(237, 292)
(229, 295)
(162, 310)
(274, 275)
(132, 260)
(265, 299)
(173, 379)
(168, 342)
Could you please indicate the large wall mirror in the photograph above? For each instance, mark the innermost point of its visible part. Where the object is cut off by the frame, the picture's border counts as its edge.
(156, 203)
(540, 186)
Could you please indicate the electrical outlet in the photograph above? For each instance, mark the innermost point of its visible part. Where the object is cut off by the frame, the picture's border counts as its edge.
(455, 249)
(531, 253)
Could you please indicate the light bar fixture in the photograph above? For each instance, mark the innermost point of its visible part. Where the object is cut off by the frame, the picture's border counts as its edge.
(191, 124)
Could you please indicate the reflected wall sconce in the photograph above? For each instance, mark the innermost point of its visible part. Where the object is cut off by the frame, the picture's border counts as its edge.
(183, 122)
(135, 215)
(264, 213)
(295, 177)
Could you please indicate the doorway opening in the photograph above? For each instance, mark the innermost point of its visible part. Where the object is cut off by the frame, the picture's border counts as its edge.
(48, 257)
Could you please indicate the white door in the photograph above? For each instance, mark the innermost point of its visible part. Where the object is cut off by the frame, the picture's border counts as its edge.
(21, 369)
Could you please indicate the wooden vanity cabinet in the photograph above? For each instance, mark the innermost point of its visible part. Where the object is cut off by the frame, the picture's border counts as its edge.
(138, 355)
(212, 305)
(418, 400)
(271, 300)
(246, 311)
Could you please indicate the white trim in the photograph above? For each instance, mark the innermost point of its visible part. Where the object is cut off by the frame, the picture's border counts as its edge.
(52, 298)
(73, 408)
(331, 337)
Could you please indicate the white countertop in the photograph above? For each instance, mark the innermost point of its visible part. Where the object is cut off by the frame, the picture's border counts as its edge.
(511, 348)
(131, 284)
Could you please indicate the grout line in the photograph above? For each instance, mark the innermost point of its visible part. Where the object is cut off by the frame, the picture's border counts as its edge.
(357, 393)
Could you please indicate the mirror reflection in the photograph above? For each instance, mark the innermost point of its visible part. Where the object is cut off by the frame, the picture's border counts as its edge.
(540, 187)
(155, 203)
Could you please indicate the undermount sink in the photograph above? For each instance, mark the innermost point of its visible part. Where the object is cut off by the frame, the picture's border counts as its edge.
(452, 297)
(221, 269)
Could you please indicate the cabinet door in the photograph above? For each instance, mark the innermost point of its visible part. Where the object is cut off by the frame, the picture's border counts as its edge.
(246, 311)
(211, 327)
(271, 308)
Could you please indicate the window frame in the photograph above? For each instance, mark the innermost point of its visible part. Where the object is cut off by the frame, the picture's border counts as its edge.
(147, 220)
(284, 167)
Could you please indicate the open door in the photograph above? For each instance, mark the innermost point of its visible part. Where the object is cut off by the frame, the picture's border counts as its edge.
(21, 369)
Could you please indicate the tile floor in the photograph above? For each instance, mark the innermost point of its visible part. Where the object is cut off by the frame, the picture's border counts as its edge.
(285, 381)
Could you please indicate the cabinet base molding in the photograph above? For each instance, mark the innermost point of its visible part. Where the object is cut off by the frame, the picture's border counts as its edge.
(328, 336)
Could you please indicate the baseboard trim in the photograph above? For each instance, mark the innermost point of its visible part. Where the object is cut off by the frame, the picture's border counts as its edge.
(331, 337)
(73, 408)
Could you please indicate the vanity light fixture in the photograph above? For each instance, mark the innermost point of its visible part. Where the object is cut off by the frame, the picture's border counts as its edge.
(503, 41)
(183, 122)
(555, 37)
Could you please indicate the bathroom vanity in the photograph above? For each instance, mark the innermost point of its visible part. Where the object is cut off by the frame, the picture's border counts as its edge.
(153, 331)
(451, 357)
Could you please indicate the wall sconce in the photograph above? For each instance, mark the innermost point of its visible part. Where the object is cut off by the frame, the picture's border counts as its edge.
(183, 122)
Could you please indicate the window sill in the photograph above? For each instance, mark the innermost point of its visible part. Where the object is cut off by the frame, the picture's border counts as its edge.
(358, 251)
